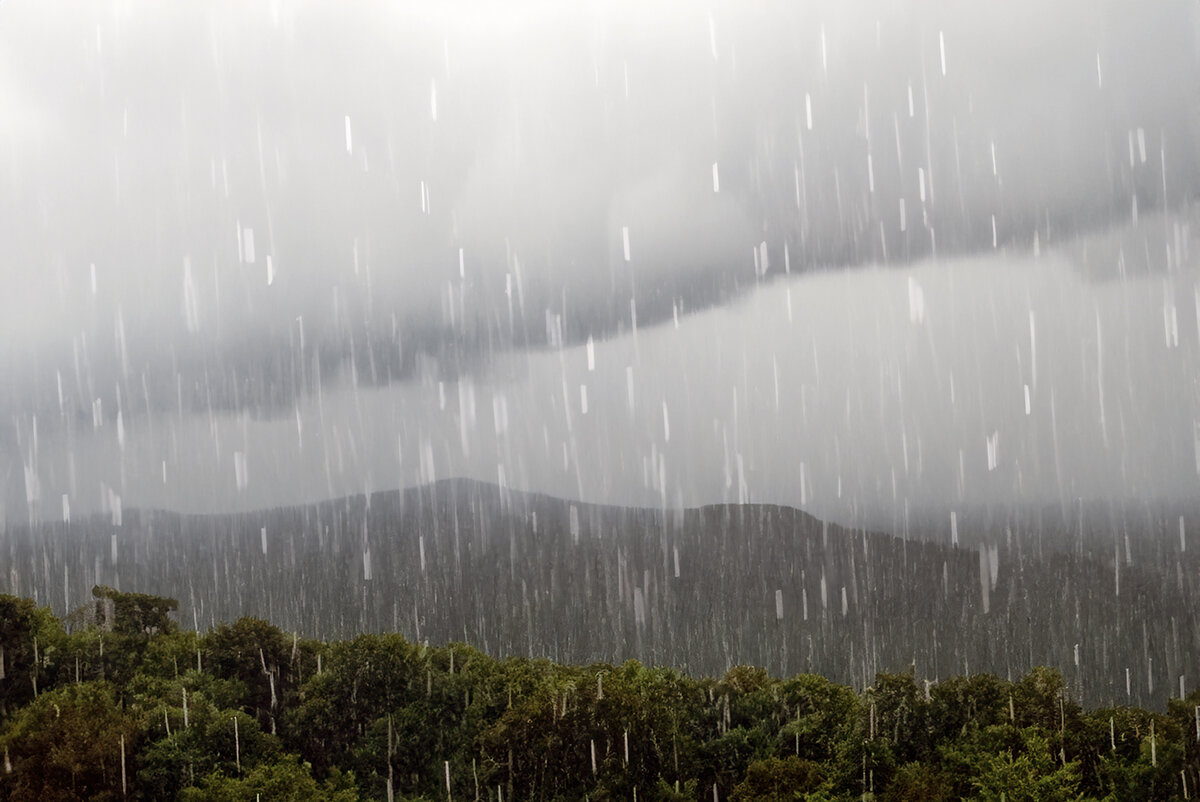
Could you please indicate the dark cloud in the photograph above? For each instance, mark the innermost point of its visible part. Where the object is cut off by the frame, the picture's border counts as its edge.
(858, 394)
(212, 208)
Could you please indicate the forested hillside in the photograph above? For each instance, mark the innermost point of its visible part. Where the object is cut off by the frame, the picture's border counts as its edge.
(700, 590)
(118, 703)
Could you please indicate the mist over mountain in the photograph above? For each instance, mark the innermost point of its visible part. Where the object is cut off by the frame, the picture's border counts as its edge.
(348, 245)
(830, 337)
(861, 396)
(702, 589)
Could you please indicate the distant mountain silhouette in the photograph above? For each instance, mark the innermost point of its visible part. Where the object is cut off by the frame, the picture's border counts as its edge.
(698, 589)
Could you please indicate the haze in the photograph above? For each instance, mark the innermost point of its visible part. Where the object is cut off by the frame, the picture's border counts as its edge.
(846, 256)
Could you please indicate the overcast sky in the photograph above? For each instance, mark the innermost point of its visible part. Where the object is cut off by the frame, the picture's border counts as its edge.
(302, 232)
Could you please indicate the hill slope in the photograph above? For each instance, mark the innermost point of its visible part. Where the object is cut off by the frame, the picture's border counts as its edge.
(699, 589)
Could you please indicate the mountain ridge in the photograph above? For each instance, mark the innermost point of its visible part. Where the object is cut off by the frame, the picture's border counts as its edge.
(700, 589)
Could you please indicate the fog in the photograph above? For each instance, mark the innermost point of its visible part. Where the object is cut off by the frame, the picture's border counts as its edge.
(847, 393)
(850, 254)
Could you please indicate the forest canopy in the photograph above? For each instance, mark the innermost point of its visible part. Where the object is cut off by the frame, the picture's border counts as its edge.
(118, 702)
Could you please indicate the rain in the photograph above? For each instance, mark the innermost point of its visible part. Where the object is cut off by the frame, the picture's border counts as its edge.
(831, 337)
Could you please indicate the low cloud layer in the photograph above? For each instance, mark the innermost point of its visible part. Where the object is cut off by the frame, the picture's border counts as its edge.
(850, 393)
(223, 211)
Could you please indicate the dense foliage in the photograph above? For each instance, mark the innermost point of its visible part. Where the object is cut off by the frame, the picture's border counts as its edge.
(118, 702)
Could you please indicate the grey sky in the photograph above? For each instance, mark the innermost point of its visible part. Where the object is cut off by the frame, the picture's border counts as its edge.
(851, 393)
(273, 196)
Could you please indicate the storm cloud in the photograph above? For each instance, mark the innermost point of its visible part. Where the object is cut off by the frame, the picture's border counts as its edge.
(219, 214)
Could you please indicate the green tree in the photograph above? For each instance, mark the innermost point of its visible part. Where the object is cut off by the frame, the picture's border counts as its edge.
(918, 782)
(1031, 774)
(679, 792)
(896, 711)
(958, 759)
(824, 720)
(270, 664)
(958, 704)
(363, 681)
(133, 613)
(283, 780)
(206, 741)
(111, 634)
(31, 640)
(730, 754)
(1040, 699)
(67, 744)
(1184, 716)
(1147, 766)
(777, 780)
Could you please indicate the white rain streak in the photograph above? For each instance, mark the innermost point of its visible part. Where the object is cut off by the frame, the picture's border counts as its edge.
(1033, 350)
(1196, 444)
(985, 580)
(1170, 320)
(916, 301)
(240, 470)
(191, 303)
(500, 414)
(247, 239)
(858, 390)
(824, 53)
